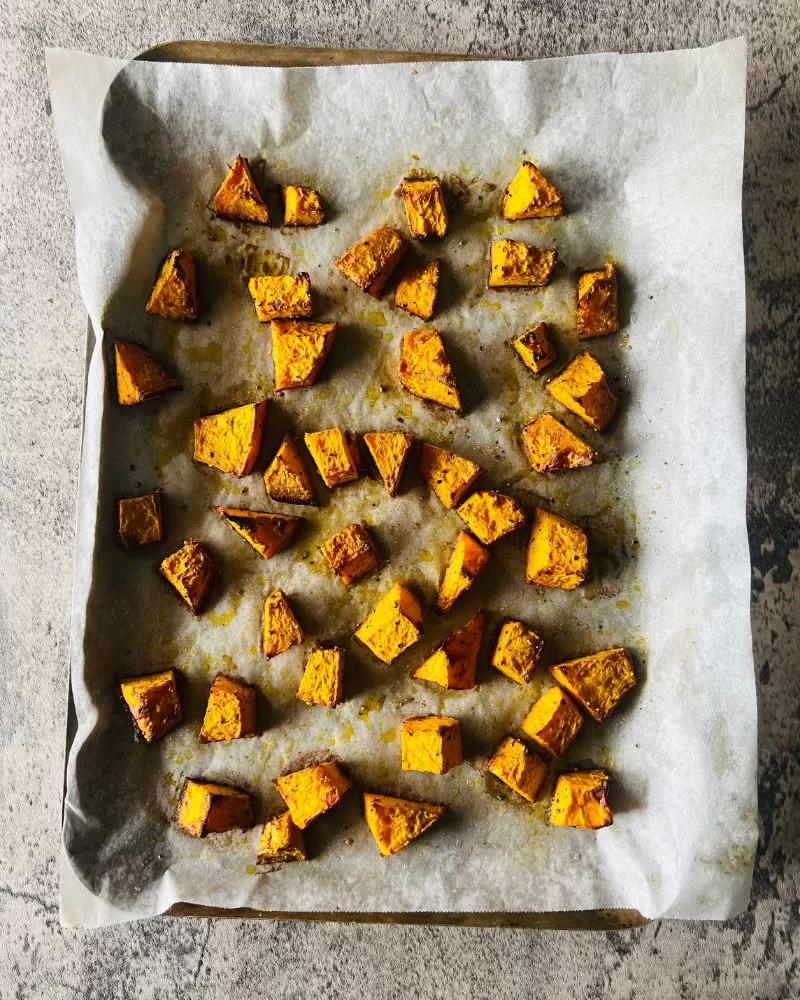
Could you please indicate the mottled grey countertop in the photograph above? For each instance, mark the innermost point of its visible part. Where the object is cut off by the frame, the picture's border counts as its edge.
(42, 336)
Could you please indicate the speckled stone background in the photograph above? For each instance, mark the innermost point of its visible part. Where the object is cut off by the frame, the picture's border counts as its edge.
(42, 332)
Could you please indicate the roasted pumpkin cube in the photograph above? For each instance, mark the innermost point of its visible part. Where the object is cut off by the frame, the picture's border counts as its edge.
(389, 451)
(447, 474)
(517, 766)
(453, 665)
(269, 534)
(287, 479)
(191, 572)
(139, 376)
(335, 455)
(394, 822)
(549, 446)
(140, 521)
(299, 350)
(517, 651)
(430, 743)
(230, 441)
(597, 681)
(535, 348)
(351, 552)
(312, 791)
(425, 370)
(281, 630)
(174, 294)
(553, 722)
(154, 703)
(580, 800)
(466, 564)
(281, 296)
(418, 289)
(302, 206)
(490, 516)
(598, 313)
(369, 262)
(557, 552)
(393, 625)
(423, 200)
(322, 682)
(583, 388)
(208, 807)
(530, 195)
(513, 264)
(238, 196)
(230, 711)
(280, 841)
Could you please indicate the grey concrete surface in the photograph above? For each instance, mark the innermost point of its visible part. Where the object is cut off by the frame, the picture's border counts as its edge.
(42, 326)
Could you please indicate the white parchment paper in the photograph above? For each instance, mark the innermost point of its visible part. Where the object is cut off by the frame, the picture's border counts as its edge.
(647, 150)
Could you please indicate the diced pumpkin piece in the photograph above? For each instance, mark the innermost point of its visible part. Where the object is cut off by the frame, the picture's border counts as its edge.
(281, 841)
(351, 552)
(281, 630)
(174, 294)
(553, 722)
(490, 516)
(287, 479)
(598, 312)
(302, 206)
(389, 451)
(369, 262)
(557, 552)
(191, 572)
(230, 441)
(583, 388)
(154, 703)
(418, 289)
(447, 474)
(430, 743)
(281, 296)
(423, 200)
(394, 822)
(513, 264)
(322, 682)
(312, 791)
(530, 195)
(269, 534)
(425, 370)
(517, 766)
(335, 456)
(580, 800)
(551, 447)
(597, 681)
(299, 350)
(140, 521)
(466, 564)
(238, 196)
(453, 665)
(393, 625)
(139, 375)
(230, 711)
(535, 348)
(517, 651)
(207, 807)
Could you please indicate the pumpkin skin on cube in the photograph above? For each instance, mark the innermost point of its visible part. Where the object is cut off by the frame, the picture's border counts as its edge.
(207, 807)
(267, 533)
(598, 310)
(281, 841)
(286, 478)
(453, 664)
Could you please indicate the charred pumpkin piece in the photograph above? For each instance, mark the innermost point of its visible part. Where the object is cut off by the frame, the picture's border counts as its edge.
(281, 296)
(281, 841)
(453, 665)
(530, 195)
(551, 447)
(583, 388)
(535, 348)
(191, 572)
(140, 522)
(513, 264)
(269, 534)
(369, 262)
(598, 312)
(238, 196)
(287, 479)
(351, 552)
(302, 206)
(207, 807)
(423, 200)
(230, 441)
(425, 370)
(139, 375)
(417, 290)
(153, 702)
(466, 564)
(299, 350)
(174, 294)
(580, 800)
(394, 822)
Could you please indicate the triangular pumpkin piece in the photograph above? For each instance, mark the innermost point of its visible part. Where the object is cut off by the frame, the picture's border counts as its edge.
(530, 195)
(466, 564)
(389, 452)
(425, 370)
(286, 479)
(299, 350)
(394, 822)
(139, 375)
(269, 534)
(447, 474)
(174, 294)
(230, 441)
(417, 290)
(238, 197)
(453, 664)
